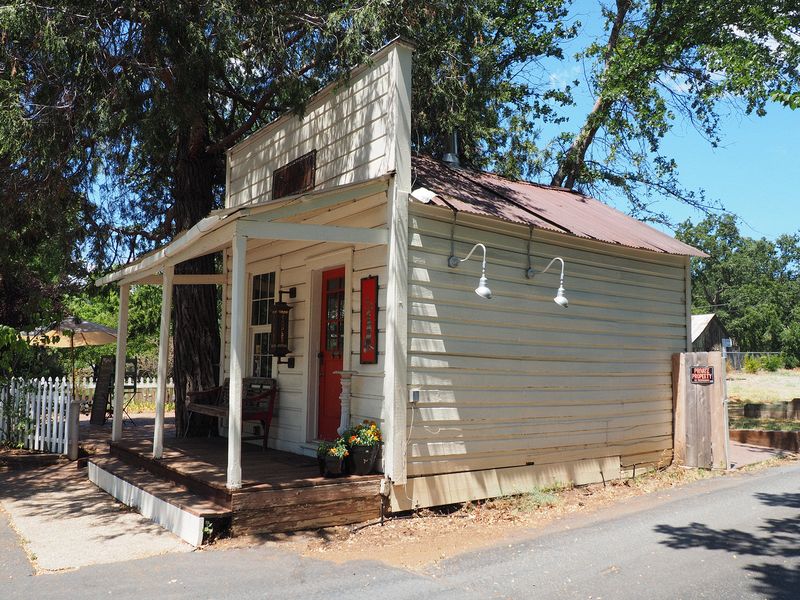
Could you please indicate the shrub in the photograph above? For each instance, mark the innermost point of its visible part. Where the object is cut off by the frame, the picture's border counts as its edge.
(790, 361)
(772, 362)
(751, 364)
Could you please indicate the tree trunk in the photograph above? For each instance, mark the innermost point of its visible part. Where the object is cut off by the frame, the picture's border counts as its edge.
(196, 334)
(573, 160)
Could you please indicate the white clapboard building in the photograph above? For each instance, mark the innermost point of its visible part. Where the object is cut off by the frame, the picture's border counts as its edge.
(476, 396)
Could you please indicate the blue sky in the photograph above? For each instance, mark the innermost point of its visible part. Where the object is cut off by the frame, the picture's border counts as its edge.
(754, 172)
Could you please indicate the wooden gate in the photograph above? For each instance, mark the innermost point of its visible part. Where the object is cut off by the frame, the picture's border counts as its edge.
(700, 411)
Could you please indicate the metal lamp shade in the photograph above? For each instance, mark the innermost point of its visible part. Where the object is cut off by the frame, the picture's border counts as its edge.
(560, 298)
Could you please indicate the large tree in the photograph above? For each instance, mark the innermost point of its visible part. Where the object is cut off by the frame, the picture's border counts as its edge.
(152, 94)
(665, 60)
(752, 284)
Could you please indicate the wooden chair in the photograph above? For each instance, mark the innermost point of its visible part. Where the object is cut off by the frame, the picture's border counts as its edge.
(259, 395)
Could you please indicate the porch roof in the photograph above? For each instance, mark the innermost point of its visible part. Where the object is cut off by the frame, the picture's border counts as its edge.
(535, 205)
(266, 220)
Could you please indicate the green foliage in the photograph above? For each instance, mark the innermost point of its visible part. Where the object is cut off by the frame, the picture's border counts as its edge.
(752, 285)
(663, 61)
(14, 423)
(765, 424)
(102, 306)
(790, 361)
(751, 364)
(772, 362)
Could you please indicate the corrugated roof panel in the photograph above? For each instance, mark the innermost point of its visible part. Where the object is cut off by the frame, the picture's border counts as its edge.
(546, 207)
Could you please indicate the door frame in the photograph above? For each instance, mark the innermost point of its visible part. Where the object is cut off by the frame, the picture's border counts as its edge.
(316, 265)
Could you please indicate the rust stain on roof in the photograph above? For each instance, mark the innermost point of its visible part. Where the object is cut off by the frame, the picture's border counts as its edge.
(546, 207)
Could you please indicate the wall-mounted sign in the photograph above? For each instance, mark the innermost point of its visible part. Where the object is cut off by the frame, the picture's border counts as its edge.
(702, 375)
(369, 321)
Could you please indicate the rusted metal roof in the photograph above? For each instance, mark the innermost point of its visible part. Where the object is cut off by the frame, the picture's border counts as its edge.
(541, 206)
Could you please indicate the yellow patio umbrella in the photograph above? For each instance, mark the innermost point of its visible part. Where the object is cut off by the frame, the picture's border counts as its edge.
(73, 333)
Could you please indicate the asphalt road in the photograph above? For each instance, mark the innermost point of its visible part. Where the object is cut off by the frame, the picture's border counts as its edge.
(732, 537)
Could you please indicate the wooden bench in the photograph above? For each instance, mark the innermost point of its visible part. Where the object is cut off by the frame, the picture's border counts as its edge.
(258, 403)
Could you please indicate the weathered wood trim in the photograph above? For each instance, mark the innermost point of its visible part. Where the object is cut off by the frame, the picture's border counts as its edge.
(210, 279)
(119, 373)
(437, 490)
(688, 292)
(163, 358)
(395, 381)
(310, 233)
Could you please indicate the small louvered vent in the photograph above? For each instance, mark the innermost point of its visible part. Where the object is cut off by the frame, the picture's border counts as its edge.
(296, 177)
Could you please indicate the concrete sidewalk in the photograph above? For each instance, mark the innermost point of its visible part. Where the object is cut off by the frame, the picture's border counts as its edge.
(67, 522)
(740, 455)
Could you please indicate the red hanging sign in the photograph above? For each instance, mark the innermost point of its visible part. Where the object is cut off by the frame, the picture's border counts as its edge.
(369, 320)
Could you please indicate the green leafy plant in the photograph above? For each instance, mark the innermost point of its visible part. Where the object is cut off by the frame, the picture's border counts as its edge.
(364, 434)
(751, 364)
(338, 449)
(15, 423)
(323, 448)
(790, 362)
(772, 362)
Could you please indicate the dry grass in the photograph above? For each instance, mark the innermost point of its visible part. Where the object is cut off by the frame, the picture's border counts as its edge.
(764, 387)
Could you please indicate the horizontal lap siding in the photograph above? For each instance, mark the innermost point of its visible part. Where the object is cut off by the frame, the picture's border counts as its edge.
(289, 429)
(517, 380)
(347, 127)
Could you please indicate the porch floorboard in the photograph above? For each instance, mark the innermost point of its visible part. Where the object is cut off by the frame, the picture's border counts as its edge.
(280, 491)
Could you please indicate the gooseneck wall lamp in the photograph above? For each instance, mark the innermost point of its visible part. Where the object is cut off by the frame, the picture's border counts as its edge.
(560, 298)
(483, 288)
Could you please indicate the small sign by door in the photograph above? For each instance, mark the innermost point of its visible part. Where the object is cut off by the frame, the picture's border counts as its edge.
(702, 375)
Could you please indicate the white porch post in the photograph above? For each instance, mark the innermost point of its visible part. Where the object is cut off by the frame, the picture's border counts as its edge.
(163, 359)
(238, 310)
(119, 373)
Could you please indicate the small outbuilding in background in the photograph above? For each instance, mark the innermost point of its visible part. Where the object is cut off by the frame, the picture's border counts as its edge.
(708, 333)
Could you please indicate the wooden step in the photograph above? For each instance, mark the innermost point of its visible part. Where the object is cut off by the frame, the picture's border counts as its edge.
(194, 484)
(309, 507)
(165, 502)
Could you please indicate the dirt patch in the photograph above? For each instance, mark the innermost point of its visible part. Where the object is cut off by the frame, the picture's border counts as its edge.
(420, 539)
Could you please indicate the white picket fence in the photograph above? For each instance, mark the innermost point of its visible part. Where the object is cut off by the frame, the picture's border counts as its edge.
(35, 413)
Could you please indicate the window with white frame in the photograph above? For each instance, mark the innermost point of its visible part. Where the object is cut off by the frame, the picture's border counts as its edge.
(260, 328)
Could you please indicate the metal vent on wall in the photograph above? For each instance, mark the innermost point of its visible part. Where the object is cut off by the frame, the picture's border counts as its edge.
(296, 177)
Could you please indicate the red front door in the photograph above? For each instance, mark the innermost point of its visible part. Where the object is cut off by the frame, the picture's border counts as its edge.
(331, 349)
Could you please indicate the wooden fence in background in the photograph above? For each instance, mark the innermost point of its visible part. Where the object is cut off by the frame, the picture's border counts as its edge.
(145, 391)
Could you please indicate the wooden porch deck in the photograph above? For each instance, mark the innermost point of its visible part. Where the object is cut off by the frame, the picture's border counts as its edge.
(280, 491)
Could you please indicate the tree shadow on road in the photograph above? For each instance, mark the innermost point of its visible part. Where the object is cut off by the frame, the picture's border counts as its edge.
(780, 540)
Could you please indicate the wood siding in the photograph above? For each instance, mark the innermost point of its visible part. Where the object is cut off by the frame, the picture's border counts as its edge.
(294, 264)
(518, 381)
(346, 125)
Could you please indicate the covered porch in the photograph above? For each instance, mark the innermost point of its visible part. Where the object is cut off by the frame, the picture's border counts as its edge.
(291, 243)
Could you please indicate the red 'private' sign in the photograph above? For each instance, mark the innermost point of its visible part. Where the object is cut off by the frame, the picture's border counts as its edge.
(702, 375)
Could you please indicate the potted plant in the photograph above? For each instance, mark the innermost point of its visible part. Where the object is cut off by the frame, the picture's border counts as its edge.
(322, 452)
(364, 441)
(334, 459)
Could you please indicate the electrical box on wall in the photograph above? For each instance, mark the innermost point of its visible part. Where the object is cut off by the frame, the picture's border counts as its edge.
(413, 396)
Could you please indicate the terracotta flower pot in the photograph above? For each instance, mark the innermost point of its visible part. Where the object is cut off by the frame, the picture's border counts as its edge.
(362, 459)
